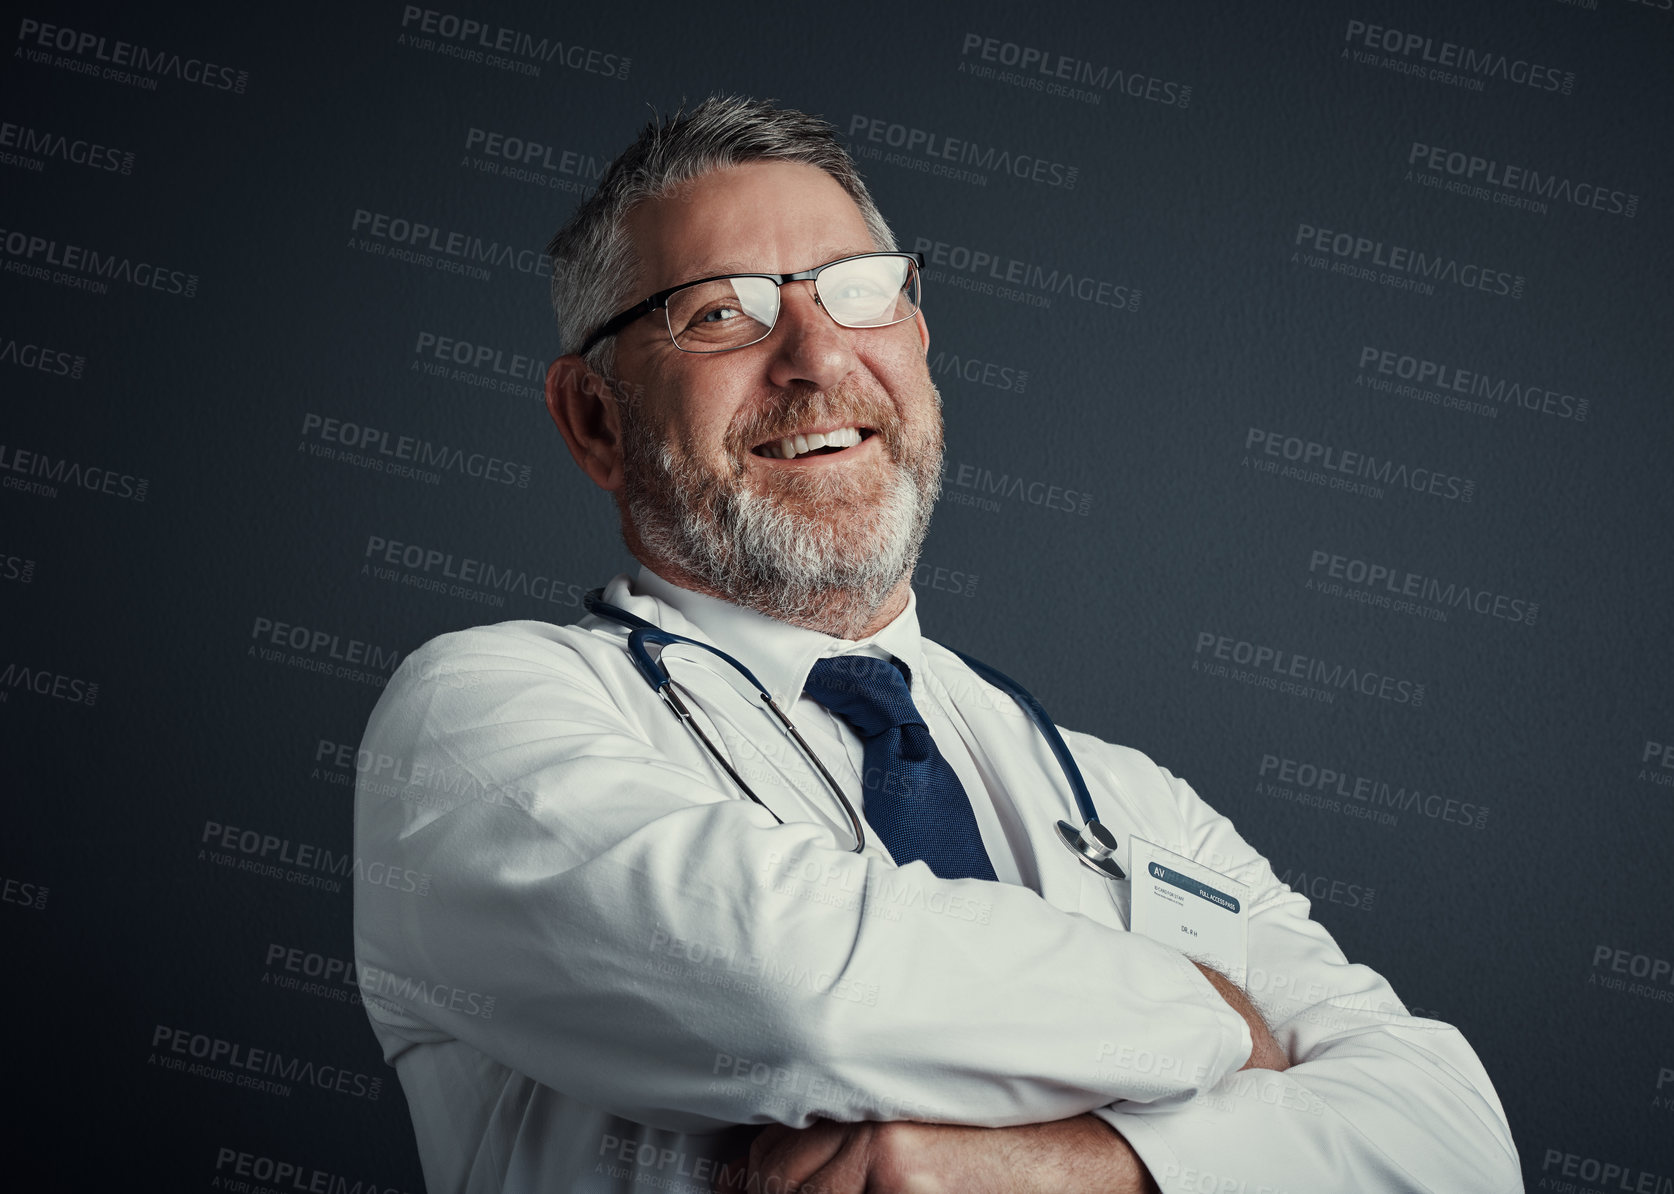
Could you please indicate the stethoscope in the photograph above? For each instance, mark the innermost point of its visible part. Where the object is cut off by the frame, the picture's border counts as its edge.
(1093, 844)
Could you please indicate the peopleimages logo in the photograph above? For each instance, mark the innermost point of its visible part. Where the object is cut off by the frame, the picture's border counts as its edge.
(1051, 73)
(321, 651)
(220, 1059)
(988, 272)
(1657, 762)
(975, 485)
(1320, 887)
(354, 443)
(32, 148)
(42, 682)
(453, 36)
(1515, 186)
(1645, 975)
(1383, 368)
(1330, 465)
(526, 160)
(479, 365)
(82, 268)
(234, 1169)
(427, 783)
(142, 66)
(441, 571)
(1282, 665)
(937, 153)
(269, 856)
(54, 362)
(323, 644)
(1335, 789)
(1380, 584)
(398, 992)
(944, 579)
(23, 894)
(292, 968)
(726, 967)
(1596, 1173)
(1448, 62)
(20, 569)
(991, 374)
(415, 237)
(61, 470)
(1403, 268)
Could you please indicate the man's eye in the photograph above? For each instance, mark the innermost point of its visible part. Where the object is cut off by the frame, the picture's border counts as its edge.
(718, 315)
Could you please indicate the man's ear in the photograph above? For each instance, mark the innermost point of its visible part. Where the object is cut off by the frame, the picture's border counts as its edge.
(923, 331)
(581, 404)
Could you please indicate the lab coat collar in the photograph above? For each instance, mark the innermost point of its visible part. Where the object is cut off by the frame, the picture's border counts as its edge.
(780, 655)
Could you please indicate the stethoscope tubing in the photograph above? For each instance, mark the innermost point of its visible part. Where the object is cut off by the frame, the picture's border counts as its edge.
(641, 633)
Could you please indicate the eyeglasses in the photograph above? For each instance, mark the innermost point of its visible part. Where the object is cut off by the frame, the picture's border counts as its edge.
(719, 314)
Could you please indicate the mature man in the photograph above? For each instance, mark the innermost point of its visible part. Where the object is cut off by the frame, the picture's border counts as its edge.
(652, 922)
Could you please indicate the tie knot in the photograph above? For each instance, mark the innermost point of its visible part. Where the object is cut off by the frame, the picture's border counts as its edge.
(870, 694)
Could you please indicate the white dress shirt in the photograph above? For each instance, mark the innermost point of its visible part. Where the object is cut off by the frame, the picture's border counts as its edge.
(601, 957)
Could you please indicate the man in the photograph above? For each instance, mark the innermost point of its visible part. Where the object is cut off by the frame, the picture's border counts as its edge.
(622, 966)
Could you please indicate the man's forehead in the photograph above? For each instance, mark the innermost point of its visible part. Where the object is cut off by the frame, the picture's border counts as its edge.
(761, 217)
(740, 265)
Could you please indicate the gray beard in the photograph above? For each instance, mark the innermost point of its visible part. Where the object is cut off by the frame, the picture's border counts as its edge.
(832, 574)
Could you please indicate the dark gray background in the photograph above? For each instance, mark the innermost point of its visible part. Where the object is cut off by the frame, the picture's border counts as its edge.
(1548, 726)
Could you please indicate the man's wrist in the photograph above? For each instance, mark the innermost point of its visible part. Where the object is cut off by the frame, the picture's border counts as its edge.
(1265, 1052)
(1081, 1155)
(1127, 1169)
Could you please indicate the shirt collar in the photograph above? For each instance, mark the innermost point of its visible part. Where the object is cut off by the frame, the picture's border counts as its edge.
(780, 655)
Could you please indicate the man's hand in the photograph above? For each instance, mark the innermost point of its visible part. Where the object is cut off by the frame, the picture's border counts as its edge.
(1083, 1155)
(1265, 1053)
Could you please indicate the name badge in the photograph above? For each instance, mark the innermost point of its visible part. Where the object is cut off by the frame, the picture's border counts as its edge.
(1191, 908)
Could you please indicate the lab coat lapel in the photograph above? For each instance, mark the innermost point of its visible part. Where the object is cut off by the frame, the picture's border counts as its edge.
(1031, 780)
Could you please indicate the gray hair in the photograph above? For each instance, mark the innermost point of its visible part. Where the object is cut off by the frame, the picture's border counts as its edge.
(594, 270)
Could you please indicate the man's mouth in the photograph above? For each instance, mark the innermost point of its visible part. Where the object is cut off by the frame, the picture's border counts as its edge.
(792, 447)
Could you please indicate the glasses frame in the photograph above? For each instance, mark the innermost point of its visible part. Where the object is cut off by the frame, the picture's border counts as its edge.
(659, 301)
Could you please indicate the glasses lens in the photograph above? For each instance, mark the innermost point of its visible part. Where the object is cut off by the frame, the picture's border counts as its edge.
(870, 292)
(724, 314)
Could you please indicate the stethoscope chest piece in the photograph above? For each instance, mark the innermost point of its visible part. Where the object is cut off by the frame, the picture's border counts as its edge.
(1094, 845)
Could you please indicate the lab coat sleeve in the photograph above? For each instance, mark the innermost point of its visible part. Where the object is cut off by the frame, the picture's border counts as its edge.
(1376, 1100)
(655, 945)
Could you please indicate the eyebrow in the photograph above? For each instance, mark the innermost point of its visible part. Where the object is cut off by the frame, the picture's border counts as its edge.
(826, 254)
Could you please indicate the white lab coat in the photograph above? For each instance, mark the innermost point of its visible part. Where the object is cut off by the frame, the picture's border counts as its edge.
(590, 954)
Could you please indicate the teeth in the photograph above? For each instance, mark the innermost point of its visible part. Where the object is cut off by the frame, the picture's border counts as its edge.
(793, 446)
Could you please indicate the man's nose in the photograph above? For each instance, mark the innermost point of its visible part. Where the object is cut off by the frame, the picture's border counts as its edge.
(808, 345)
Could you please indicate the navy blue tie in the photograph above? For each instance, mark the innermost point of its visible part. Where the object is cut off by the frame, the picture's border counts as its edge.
(913, 799)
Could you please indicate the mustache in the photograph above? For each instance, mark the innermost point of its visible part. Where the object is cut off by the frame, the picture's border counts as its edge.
(782, 415)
